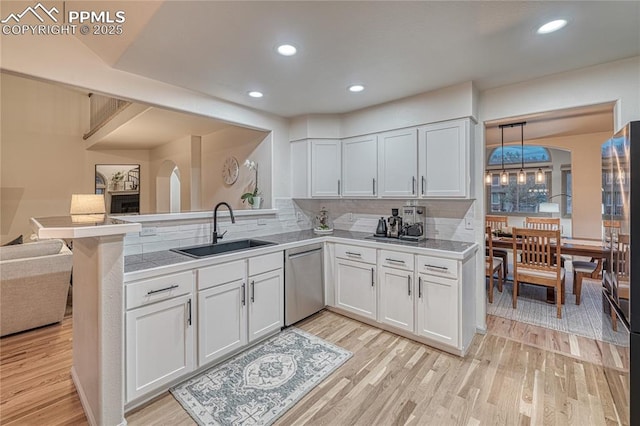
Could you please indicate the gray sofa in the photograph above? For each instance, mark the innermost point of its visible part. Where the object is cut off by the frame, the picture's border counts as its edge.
(34, 284)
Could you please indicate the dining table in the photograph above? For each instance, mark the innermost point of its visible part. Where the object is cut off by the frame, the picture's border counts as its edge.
(591, 248)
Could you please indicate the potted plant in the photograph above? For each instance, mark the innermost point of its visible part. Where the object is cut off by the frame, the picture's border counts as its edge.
(254, 197)
(117, 181)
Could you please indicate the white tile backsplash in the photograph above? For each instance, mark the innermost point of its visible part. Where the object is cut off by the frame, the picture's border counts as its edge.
(445, 220)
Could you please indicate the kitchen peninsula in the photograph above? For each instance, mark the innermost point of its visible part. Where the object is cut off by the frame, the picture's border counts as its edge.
(424, 291)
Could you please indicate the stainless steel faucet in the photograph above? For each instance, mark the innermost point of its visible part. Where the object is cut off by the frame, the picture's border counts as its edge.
(215, 237)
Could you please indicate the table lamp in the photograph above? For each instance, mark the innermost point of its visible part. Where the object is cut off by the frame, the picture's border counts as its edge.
(87, 208)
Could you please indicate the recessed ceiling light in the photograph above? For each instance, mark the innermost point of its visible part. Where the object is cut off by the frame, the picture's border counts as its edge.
(356, 88)
(255, 94)
(287, 50)
(552, 26)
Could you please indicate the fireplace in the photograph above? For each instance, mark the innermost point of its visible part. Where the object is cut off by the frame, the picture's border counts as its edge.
(126, 203)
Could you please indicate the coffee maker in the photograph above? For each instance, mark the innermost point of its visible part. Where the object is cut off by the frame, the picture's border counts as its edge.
(394, 230)
(414, 221)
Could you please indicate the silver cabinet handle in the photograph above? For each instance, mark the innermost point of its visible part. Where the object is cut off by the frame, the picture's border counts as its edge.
(350, 253)
(409, 284)
(420, 287)
(442, 268)
(388, 259)
(189, 312)
(423, 184)
(171, 287)
(413, 184)
(374, 186)
(253, 291)
(244, 296)
(372, 277)
(338, 186)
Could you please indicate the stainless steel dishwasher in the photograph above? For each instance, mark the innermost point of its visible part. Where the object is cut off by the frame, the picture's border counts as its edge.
(303, 282)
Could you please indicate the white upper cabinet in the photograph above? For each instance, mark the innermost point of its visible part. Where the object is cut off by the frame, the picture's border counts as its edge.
(444, 159)
(326, 168)
(360, 166)
(300, 169)
(397, 164)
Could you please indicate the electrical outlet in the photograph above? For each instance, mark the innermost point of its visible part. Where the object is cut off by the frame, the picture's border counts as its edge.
(148, 231)
(299, 217)
(350, 217)
(468, 223)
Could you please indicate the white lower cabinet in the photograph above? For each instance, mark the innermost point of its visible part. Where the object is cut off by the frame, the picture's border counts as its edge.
(159, 344)
(437, 308)
(396, 298)
(265, 299)
(355, 287)
(222, 321)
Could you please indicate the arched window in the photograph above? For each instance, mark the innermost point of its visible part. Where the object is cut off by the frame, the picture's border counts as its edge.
(531, 154)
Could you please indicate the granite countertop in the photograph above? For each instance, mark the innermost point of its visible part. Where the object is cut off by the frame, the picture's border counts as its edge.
(139, 262)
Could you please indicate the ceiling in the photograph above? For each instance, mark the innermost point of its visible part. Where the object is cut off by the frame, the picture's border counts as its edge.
(395, 49)
(154, 127)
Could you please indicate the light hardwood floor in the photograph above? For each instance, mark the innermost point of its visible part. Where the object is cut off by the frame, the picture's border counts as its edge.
(515, 374)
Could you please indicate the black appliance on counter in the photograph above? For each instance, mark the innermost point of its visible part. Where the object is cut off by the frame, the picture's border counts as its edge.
(621, 286)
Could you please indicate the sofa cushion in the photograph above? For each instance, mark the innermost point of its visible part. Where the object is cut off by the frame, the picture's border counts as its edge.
(39, 248)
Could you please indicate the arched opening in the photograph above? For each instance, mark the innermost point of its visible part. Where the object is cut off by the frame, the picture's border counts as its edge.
(174, 191)
(168, 188)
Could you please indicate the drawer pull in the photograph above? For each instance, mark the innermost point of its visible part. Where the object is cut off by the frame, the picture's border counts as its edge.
(189, 312)
(442, 268)
(409, 284)
(350, 253)
(244, 295)
(373, 272)
(150, 292)
(420, 287)
(388, 259)
(253, 291)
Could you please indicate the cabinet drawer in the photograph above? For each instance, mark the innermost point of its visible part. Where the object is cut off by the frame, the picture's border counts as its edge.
(362, 254)
(220, 274)
(437, 266)
(265, 263)
(394, 259)
(156, 289)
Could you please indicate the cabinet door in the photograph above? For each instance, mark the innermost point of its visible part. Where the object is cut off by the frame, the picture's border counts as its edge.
(397, 165)
(396, 298)
(159, 345)
(266, 305)
(438, 309)
(355, 287)
(326, 168)
(360, 166)
(222, 321)
(444, 159)
(300, 169)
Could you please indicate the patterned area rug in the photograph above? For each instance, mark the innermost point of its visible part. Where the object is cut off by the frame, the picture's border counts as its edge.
(586, 319)
(260, 385)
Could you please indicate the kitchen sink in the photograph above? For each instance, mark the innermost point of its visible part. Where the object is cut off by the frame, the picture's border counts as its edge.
(220, 248)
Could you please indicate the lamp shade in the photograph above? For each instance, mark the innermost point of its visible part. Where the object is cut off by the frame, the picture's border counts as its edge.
(87, 204)
(549, 208)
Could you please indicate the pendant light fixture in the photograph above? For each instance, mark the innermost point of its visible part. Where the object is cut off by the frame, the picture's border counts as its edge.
(522, 176)
(488, 177)
(539, 176)
(504, 176)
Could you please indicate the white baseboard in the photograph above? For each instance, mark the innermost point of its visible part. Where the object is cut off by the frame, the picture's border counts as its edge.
(85, 403)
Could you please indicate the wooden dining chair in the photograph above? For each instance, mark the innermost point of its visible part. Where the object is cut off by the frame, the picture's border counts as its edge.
(538, 250)
(493, 265)
(499, 223)
(546, 223)
(592, 268)
(622, 270)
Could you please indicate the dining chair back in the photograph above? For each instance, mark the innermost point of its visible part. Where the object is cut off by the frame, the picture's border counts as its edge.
(538, 250)
(498, 223)
(493, 265)
(622, 269)
(546, 223)
(611, 229)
